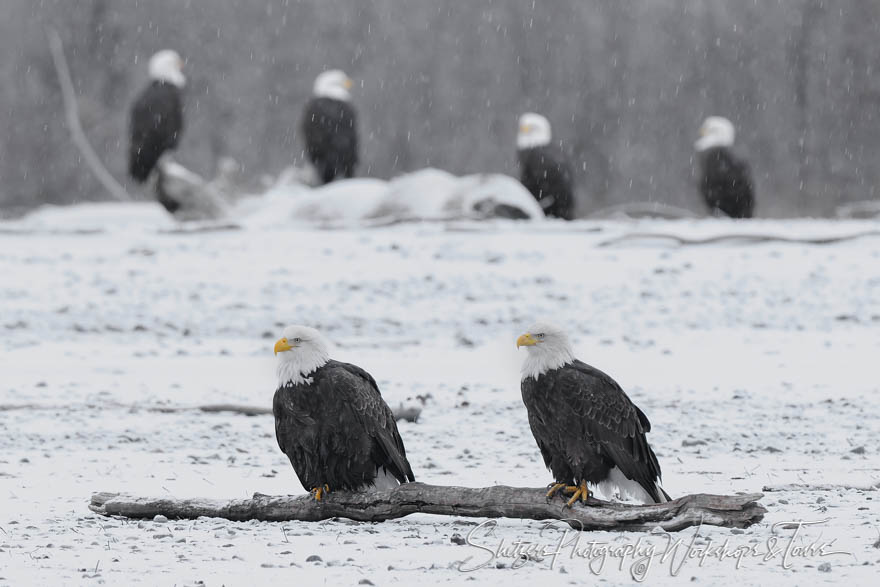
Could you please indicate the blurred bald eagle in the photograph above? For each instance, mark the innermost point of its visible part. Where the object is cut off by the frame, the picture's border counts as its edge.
(725, 180)
(543, 168)
(588, 430)
(329, 125)
(331, 420)
(157, 115)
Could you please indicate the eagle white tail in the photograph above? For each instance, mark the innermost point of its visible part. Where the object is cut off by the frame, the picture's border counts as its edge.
(384, 481)
(618, 483)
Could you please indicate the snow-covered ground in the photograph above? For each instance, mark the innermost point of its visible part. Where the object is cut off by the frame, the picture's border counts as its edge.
(756, 363)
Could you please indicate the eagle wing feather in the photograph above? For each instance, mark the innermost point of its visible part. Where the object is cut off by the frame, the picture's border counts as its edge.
(597, 410)
(378, 420)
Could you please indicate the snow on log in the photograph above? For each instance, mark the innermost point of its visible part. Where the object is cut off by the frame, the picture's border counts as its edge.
(736, 511)
(185, 194)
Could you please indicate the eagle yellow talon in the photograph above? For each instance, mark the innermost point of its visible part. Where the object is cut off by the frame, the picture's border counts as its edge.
(320, 492)
(556, 487)
(579, 493)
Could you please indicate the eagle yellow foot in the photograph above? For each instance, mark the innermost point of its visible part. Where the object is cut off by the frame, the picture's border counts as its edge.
(579, 493)
(555, 487)
(320, 492)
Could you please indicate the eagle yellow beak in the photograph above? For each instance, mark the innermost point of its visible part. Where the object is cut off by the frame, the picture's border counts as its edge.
(703, 130)
(282, 346)
(348, 83)
(524, 128)
(526, 340)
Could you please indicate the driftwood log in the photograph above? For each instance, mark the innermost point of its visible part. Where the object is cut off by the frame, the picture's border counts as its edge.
(737, 511)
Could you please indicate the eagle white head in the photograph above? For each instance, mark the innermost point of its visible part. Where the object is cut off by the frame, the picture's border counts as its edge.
(548, 348)
(716, 131)
(333, 84)
(300, 351)
(167, 66)
(534, 131)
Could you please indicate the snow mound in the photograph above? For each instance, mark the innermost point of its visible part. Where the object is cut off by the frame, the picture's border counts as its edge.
(91, 218)
(424, 195)
(497, 195)
(342, 203)
(427, 194)
(433, 194)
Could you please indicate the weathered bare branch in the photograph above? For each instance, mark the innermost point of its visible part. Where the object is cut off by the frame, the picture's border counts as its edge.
(738, 511)
(745, 238)
(407, 413)
(819, 487)
(215, 408)
(865, 209)
(642, 210)
(71, 111)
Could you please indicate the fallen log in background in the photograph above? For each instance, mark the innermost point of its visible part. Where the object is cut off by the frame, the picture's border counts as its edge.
(642, 210)
(408, 413)
(738, 511)
(820, 487)
(743, 238)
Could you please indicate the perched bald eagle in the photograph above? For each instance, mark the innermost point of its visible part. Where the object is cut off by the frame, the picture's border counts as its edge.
(725, 180)
(157, 115)
(543, 168)
(331, 420)
(588, 430)
(329, 125)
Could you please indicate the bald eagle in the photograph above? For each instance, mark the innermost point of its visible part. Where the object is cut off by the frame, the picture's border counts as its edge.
(725, 180)
(586, 427)
(329, 125)
(157, 115)
(331, 420)
(543, 168)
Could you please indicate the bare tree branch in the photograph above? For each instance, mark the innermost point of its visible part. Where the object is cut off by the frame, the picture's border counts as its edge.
(864, 209)
(737, 511)
(642, 210)
(745, 238)
(71, 111)
(819, 487)
(408, 413)
(216, 408)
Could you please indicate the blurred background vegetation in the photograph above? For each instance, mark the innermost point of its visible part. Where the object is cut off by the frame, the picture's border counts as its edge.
(441, 83)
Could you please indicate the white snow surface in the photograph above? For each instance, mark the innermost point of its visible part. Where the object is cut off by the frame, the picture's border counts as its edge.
(756, 364)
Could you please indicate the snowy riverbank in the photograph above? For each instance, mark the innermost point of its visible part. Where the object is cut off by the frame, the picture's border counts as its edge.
(756, 364)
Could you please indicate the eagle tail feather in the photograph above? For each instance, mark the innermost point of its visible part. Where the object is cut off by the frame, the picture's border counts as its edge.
(660, 495)
(395, 462)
